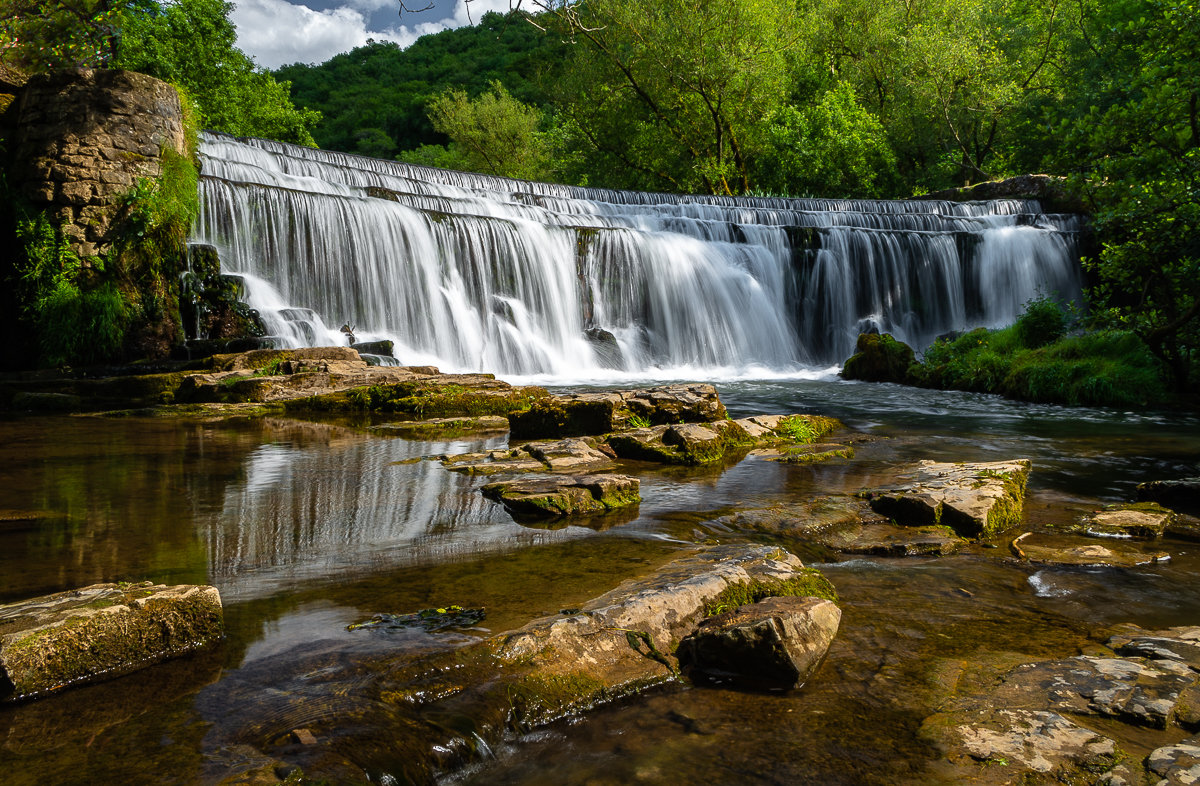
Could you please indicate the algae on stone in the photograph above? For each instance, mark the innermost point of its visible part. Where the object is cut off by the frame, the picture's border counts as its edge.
(101, 631)
(565, 496)
(975, 499)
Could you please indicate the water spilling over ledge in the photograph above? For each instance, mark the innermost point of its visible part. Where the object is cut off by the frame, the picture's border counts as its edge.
(473, 272)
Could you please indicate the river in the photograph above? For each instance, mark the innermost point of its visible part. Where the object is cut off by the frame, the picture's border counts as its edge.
(308, 527)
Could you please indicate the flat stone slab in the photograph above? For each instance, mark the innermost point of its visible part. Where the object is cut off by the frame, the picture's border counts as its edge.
(1040, 742)
(1133, 690)
(1145, 521)
(565, 496)
(1178, 764)
(777, 642)
(1180, 495)
(99, 632)
(1052, 552)
(975, 499)
(885, 540)
(566, 455)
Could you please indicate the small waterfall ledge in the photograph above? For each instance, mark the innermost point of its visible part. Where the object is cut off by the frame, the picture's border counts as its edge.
(478, 273)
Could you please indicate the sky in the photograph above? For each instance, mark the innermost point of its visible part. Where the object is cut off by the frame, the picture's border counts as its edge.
(278, 32)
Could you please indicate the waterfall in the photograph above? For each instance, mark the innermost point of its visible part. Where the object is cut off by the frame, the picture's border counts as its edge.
(479, 273)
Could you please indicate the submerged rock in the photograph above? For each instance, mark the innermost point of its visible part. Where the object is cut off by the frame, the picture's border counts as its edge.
(1042, 551)
(844, 524)
(565, 496)
(829, 521)
(878, 357)
(885, 540)
(975, 499)
(1181, 495)
(99, 632)
(777, 642)
(1145, 520)
(444, 428)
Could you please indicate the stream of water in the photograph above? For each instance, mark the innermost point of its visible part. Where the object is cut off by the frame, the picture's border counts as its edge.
(308, 527)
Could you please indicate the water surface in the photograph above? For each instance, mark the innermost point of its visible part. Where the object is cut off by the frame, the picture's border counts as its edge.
(308, 527)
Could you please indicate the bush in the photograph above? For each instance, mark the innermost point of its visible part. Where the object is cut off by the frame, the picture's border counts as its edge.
(1043, 322)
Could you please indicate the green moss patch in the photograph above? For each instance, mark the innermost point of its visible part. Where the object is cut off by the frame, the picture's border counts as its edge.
(425, 399)
(809, 583)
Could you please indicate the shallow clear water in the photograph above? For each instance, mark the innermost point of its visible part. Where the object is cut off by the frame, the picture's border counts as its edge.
(307, 527)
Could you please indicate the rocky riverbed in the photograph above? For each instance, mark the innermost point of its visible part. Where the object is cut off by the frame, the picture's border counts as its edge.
(642, 470)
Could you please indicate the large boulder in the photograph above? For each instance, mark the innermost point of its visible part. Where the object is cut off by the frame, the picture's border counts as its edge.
(974, 499)
(777, 642)
(565, 496)
(878, 357)
(626, 638)
(99, 632)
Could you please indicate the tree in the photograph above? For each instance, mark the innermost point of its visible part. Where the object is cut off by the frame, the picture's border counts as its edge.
(1136, 145)
(37, 35)
(192, 44)
(495, 134)
(834, 148)
(667, 93)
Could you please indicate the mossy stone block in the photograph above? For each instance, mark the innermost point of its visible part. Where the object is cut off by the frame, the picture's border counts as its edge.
(99, 632)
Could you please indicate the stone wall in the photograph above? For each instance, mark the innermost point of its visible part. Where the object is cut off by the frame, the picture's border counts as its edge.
(80, 138)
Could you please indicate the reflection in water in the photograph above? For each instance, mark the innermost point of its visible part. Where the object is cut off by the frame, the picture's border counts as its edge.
(321, 509)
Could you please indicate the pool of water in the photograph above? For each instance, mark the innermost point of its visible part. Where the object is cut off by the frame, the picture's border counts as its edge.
(308, 527)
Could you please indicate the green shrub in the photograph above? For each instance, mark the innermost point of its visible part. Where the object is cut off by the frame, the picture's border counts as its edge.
(1043, 322)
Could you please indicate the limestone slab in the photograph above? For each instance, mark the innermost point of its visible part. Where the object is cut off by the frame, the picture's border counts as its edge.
(101, 631)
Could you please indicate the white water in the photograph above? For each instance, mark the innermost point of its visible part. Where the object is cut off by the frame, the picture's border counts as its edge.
(471, 272)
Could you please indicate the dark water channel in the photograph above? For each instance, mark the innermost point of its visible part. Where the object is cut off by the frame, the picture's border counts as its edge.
(308, 527)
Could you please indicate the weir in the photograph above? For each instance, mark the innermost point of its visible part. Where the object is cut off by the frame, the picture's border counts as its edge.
(478, 273)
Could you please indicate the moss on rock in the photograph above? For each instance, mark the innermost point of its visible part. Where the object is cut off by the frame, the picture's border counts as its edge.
(879, 358)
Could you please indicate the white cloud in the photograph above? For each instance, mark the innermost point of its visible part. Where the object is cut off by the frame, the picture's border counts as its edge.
(276, 32)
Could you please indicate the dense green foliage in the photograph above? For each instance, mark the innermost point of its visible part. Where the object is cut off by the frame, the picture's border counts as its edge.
(1034, 360)
(192, 44)
(374, 98)
(493, 133)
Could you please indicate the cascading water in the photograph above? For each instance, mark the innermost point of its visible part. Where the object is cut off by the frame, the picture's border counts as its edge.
(472, 272)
